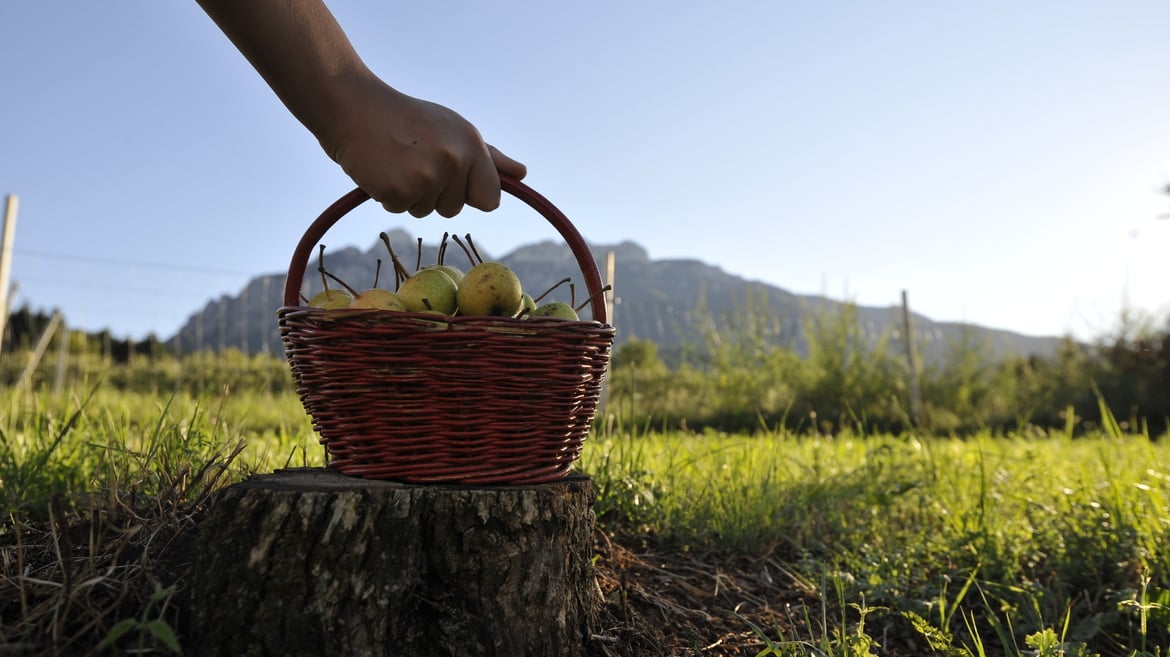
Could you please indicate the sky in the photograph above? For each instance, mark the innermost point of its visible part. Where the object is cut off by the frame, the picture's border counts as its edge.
(1001, 162)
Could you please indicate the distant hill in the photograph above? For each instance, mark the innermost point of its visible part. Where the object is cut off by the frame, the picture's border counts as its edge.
(664, 301)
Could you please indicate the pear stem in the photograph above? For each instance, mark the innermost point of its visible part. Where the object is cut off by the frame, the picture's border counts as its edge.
(400, 273)
(442, 248)
(555, 286)
(377, 272)
(584, 303)
(465, 249)
(339, 281)
(321, 266)
(418, 258)
(473, 249)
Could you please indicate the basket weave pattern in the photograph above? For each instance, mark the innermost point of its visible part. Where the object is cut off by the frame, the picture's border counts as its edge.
(471, 400)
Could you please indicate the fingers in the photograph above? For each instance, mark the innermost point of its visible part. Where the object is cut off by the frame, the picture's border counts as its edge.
(442, 178)
(474, 183)
(451, 201)
(393, 198)
(483, 181)
(445, 196)
(483, 184)
(477, 186)
(398, 196)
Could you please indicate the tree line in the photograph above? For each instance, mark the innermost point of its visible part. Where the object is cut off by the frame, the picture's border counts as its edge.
(740, 378)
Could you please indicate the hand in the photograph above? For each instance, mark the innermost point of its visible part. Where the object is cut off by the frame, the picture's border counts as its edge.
(409, 155)
(412, 155)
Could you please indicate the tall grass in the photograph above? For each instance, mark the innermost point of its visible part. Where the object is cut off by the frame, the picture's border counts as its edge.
(1013, 535)
(99, 441)
(98, 492)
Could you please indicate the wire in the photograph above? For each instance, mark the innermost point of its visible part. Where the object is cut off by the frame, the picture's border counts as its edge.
(72, 285)
(130, 263)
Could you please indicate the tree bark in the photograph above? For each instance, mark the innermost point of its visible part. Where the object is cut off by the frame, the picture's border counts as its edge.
(313, 562)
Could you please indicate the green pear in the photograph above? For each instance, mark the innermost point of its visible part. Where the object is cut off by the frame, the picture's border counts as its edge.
(557, 309)
(490, 288)
(331, 298)
(527, 305)
(377, 297)
(429, 289)
(455, 273)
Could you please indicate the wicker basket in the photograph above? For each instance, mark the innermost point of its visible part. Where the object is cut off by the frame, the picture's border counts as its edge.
(464, 400)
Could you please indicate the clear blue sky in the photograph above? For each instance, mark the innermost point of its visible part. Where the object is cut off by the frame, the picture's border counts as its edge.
(1001, 161)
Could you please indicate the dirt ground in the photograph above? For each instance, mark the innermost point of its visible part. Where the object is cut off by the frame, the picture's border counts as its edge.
(676, 603)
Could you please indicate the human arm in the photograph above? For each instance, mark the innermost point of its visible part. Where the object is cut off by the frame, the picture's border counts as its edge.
(408, 154)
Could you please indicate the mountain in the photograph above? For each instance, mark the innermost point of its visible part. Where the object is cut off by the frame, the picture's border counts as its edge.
(670, 302)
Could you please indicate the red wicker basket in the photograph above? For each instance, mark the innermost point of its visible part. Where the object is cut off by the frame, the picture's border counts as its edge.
(464, 400)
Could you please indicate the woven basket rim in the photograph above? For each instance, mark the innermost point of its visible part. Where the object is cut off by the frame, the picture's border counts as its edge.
(432, 319)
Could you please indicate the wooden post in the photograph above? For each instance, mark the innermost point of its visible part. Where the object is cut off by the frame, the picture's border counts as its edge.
(267, 280)
(7, 310)
(6, 261)
(243, 315)
(39, 352)
(62, 358)
(610, 302)
(912, 359)
(610, 299)
(315, 563)
(222, 329)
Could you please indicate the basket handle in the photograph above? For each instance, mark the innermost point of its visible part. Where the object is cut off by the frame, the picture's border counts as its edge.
(331, 215)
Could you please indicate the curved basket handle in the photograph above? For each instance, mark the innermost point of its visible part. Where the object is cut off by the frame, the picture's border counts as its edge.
(340, 207)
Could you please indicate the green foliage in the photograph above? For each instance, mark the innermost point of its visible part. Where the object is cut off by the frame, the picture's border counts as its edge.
(848, 381)
(151, 627)
(967, 391)
(36, 460)
(109, 442)
(74, 359)
(750, 376)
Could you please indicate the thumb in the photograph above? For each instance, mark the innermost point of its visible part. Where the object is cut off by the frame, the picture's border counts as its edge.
(507, 165)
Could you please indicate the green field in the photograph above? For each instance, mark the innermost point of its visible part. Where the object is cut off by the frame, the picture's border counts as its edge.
(1039, 543)
(970, 545)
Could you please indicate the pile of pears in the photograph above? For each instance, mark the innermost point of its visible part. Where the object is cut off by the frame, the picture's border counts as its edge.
(487, 288)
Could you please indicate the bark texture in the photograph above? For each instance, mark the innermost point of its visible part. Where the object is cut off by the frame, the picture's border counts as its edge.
(312, 562)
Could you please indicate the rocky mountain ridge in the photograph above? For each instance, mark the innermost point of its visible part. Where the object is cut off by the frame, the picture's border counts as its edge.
(671, 302)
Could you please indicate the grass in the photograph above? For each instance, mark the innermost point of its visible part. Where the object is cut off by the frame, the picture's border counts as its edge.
(773, 544)
(1016, 535)
(98, 493)
(103, 440)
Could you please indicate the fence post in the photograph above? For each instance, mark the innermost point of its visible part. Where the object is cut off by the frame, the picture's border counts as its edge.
(6, 261)
(912, 359)
(42, 344)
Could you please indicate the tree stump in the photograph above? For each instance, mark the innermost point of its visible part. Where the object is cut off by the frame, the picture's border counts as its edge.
(313, 562)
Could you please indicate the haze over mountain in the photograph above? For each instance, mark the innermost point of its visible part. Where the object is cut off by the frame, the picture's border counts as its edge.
(671, 302)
